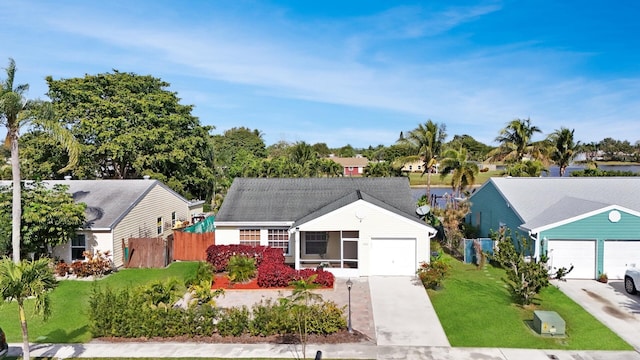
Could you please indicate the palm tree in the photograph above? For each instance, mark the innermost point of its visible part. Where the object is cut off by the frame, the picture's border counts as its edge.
(15, 111)
(23, 280)
(378, 169)
(427, 140)
(563, 148)
(463, 172)
(515, 141)
(527, 168)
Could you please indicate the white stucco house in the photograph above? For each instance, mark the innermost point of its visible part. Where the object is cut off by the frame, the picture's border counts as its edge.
(121, 209)
(352, 226)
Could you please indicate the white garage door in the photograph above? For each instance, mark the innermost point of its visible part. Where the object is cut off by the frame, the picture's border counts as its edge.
(393, 257)
(618, 255)
(579, 253)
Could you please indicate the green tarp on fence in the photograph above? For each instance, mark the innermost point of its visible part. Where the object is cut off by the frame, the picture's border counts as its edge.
(203, 226)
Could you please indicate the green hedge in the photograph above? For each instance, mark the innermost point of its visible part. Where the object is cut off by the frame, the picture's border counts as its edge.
(128, 314)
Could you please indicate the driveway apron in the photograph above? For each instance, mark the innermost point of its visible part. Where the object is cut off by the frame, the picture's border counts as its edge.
(608, 303)
(403, 313)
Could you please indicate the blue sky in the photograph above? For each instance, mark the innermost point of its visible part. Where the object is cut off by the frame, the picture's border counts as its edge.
(352, 72)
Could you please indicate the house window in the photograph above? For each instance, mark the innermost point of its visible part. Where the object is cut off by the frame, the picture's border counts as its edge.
(78, 247)
(159, 226)
(279, 238)
(173, 219)
(315, 243)
(250, 237)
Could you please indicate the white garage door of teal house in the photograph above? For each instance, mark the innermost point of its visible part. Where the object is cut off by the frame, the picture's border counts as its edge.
(393, 257)
(579, 253)
(618, 255)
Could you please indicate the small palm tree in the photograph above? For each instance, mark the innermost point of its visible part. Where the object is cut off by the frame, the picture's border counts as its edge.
(24, 280)
(15, 112)
(515, 141)
(527, 168)
(426, 140)
(463, 172)
(241, 268)
(563, 148)
(300, 301)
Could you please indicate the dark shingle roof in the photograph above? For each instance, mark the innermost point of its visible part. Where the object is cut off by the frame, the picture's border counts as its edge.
(108, 201)
(262, 200)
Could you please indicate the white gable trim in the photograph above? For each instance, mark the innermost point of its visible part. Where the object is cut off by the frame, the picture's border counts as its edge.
(431, 231)
(253, 223)
(580, 217)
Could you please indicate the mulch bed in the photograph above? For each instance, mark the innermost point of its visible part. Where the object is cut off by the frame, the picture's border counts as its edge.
(341, 337)
(221, 281)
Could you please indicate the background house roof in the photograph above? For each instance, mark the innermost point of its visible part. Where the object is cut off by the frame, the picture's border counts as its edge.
(297, 199)
(351, 161)
(541, 201)
(108, 201)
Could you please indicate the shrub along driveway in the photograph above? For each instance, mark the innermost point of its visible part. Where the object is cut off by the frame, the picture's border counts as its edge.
(476, 310)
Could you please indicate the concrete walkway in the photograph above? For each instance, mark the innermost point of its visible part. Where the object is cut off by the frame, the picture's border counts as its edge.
(403, 313)
(608, 303)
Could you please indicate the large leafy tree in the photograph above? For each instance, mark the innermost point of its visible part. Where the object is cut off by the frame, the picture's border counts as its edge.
(563, 148)
(23, 280)
(130, 125)
(463, 172)
(50, 217)
(15, 112)
(515, 141)
(426, 141)
(477, 151)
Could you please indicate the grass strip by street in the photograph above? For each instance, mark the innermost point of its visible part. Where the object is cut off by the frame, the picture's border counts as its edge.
(475, 309)
(69, 301)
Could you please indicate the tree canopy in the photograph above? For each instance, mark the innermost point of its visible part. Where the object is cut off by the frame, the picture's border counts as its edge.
(50, 217)
(130, 125)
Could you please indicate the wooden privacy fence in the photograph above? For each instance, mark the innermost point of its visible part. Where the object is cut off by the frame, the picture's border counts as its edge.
(148, 253)
(191, 246)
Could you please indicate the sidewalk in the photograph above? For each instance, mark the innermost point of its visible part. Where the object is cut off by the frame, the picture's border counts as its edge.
(340, 351)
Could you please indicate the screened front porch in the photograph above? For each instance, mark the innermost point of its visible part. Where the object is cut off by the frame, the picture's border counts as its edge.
(332, 250)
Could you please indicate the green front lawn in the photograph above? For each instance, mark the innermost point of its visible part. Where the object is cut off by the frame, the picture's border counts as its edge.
(68, 322)
(475, 310)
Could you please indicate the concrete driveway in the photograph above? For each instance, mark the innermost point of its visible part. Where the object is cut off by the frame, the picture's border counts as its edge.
(608, 303)
(403, 313)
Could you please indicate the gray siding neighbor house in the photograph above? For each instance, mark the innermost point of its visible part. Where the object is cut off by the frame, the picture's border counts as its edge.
(351, 226)
(592, 224)
(121, 209)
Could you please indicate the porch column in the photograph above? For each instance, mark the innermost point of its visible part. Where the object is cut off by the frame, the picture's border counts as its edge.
(296, 247)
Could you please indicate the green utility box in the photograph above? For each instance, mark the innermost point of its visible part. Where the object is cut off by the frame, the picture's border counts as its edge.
(548, 323)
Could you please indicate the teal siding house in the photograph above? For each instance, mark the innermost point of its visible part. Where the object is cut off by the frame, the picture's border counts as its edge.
(592, 224)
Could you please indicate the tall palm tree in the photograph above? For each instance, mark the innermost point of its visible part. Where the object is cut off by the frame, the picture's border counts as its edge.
(24, 280)
(563, 148)
(427, 140)
(16, 111)
(463, 172)
(515, 141)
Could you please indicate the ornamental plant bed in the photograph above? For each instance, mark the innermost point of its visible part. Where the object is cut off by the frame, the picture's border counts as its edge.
(221, 281)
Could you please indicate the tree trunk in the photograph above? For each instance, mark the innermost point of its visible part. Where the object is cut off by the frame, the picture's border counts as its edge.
(16, 209)
(26, 355)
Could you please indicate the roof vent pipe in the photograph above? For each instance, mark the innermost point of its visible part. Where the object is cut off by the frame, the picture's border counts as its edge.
(146, 177)
(67, 177)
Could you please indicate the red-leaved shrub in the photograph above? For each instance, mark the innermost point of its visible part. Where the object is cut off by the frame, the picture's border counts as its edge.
(272, 271)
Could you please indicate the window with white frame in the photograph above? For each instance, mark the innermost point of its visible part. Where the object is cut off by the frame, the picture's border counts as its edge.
(159, 226)
(250, 237)
(78, 247)
(315, 243)
(173, 219)
(279, 238)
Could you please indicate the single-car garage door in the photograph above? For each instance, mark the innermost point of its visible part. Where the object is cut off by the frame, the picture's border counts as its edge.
(618, 254)
(393, 257)
(579, 253)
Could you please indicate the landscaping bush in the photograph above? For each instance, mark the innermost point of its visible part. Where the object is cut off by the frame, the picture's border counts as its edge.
(272, 271)
(219, 255)
(432, 273)
(241, 268)
(233, 321)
